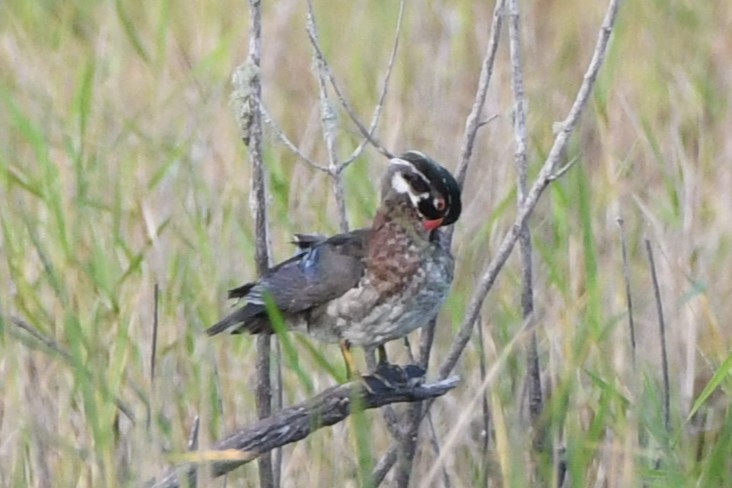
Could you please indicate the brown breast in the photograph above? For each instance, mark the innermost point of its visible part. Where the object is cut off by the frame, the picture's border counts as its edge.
(395, 249)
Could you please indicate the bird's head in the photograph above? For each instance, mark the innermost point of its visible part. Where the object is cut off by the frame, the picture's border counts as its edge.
(430, 188)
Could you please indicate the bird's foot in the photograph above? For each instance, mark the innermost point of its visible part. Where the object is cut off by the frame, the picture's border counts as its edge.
(391, 376)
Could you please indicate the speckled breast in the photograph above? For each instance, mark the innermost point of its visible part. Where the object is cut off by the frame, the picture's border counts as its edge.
(365, 317)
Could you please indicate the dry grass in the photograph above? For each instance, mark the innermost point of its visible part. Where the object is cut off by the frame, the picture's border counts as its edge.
(122, 168)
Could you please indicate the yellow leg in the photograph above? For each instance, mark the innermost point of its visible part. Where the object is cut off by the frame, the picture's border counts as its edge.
(381, 353)
(351, 371)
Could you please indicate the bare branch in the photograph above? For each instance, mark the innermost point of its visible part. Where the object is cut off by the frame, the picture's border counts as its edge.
(543, 180)
(473, 122)
(487, 121)
(193, 446)
(384, 88)
(263, 400)
(297, 422)
(55, 347)
(280, 134)
(463, 420)
(329, 122)
(248, 93)
(38, 335)
(384, 466)
(486, 413)
(560, 172)
(662, 332)
(626, 278)
(324, 68)
(436, 447)
(312, 34)
(193, 436)
(567, 126)
(533, 370)
(415, 414)
(153, 349)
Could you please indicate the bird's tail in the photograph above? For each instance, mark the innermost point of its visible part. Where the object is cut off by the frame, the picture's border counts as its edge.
(250, 318)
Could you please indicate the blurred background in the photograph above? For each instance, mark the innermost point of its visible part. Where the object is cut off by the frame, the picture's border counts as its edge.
(121, 167)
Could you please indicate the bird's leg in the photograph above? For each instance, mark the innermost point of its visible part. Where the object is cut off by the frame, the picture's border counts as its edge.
(388, 374)
(351, 371)
(383, 360)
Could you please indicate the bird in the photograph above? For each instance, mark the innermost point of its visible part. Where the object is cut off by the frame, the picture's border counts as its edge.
(368, 286)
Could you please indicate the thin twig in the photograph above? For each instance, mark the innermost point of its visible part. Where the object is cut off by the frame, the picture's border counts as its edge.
(278, 397)
(193, 435)
(484, 406)
(375, 118)
(662, 331)
(46, 341)
(384, 88)
(561, 171)
(487, 121)
(436, 447)
(533, 370)
(153, 349)
(490, 273)
(628, 294)
(297, 422)
(193, 446)
(464, 420)
(55, 347)
(473, 121)
(383, 466)
(312, 34)
(329, 121)
(280, 134)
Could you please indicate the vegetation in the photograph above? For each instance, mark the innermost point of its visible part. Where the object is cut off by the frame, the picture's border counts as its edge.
(121, 167)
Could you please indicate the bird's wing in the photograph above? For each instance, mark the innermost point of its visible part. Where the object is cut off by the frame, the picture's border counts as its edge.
(324, 271)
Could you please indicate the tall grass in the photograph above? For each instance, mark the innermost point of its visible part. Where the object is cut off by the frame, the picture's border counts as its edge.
(121, 167)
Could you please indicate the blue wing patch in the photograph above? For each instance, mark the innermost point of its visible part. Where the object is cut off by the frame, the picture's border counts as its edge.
(310, 263)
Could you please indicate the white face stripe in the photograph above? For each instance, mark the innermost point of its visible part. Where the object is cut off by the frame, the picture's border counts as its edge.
(400, 185)
(407, 164)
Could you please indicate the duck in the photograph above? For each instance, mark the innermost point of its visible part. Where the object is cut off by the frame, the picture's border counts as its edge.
(368, 286)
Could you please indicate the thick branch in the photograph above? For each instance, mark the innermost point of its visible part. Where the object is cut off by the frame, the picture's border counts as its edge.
(248, 93)
(297, 422)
